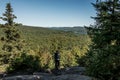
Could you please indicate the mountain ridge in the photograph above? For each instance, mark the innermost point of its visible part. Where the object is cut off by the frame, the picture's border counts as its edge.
(75, 29)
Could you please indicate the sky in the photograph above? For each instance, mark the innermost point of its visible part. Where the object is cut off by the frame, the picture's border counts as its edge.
(52, 13)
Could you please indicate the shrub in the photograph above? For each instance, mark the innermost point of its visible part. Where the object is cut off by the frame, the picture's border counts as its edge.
(46, 61)
(67, 59)
(24, 62)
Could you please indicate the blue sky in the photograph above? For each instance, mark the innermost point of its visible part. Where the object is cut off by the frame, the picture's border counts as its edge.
(52, 13)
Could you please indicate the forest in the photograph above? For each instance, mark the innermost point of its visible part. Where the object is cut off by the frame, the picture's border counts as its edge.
(43, 42)
(27, 48)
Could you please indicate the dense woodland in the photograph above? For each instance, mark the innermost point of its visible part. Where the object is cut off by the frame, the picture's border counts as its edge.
(32, 48)
(43, 42)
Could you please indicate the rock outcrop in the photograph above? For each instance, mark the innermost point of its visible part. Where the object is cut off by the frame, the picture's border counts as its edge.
(73, 73)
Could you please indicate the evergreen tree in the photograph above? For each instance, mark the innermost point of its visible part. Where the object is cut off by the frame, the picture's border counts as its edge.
(8, 15)
(104, 53)
(12, 42)
(14, 54)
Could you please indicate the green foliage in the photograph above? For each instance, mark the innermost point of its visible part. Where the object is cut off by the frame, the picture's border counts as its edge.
(46, 61)
(44, 42)
(67, 59)
(11, 42)
(105, 63)
(4, 58)
(8, 15)
(24, 62)
(103, 57)
(11, 39)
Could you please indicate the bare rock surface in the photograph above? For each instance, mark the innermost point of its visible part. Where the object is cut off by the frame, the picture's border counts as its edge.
(73, 73)
(71, 77)
(74, 70)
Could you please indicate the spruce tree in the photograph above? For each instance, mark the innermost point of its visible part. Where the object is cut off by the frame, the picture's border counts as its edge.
(8, 15)
(11, 40)
(13, 52)
(103, 57)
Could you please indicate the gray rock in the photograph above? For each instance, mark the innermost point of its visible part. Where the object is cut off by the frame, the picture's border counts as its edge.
(71, 77)
(75, 70)
(60, 77)
(2, 75)
(42, 74)
(73, 73)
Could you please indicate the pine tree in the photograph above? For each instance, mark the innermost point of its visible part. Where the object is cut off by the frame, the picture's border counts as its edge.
(8, 15)
(12, 39)
(13, 52)
(104, 53)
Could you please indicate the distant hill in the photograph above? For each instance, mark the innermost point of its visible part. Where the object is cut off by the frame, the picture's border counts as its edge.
(39, 36)
(76, 30)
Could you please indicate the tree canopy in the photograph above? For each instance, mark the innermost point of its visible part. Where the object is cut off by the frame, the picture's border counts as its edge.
(104, 53)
